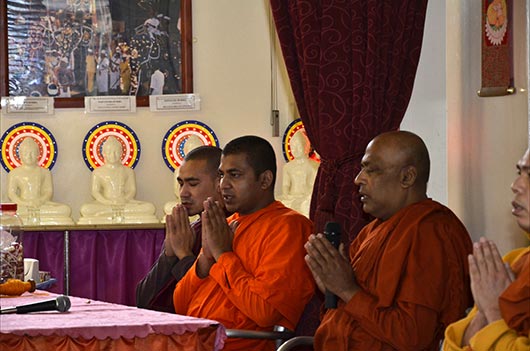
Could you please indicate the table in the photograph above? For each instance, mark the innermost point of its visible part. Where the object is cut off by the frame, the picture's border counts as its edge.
(96, 325)
(98, 262)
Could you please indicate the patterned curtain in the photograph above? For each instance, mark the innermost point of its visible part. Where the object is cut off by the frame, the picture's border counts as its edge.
(352, 66)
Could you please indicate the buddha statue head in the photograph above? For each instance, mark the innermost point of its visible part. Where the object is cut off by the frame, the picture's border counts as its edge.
(300, 146)
(28, 151)
(112, 150)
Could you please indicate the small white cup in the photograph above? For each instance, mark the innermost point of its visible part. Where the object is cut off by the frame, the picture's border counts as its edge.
(31, 270)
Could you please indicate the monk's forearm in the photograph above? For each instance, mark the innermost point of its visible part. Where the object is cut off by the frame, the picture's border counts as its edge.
(254, 307)
(185, 290)
(239, 292)
(478, 322)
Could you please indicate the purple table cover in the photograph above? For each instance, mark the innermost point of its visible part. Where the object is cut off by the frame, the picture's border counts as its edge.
(105, 265)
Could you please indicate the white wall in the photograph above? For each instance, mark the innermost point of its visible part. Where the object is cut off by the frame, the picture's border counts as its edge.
(486, 136)
(426, 114)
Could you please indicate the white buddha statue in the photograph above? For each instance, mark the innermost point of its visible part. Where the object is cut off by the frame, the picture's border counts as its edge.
(31, 187)
(191, 143)
(299, 176)
(114, 189)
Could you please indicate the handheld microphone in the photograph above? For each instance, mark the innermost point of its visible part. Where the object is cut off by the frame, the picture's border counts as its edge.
(332, 233)
(61, 304)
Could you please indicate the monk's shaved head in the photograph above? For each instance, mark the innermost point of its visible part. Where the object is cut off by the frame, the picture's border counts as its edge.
(406, 149)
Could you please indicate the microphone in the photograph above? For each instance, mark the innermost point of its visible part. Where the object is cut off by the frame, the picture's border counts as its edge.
(61, 304)
(332, 233)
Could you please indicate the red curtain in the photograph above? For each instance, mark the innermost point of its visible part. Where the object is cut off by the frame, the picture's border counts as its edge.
(352, 66)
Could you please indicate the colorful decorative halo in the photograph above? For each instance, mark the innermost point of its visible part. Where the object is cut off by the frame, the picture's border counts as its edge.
(294, 127)
(176, 136)
(93, 144)
(12, 138)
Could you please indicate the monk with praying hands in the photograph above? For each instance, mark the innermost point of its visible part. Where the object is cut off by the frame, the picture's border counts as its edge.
(500, 320)
(406, 276)
(251, 272)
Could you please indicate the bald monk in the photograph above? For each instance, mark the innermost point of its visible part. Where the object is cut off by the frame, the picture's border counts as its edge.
(253, 277)
(406, 275)
(500, 320)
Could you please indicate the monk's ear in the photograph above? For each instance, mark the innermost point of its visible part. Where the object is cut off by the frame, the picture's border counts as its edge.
(265, 179)
(409, 174)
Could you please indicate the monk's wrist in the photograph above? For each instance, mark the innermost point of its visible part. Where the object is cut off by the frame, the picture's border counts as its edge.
(204, 264)
(183, 253)
(347, 295)
(492, 315)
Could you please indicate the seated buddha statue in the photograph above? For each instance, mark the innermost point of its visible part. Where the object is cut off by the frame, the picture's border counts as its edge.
(191, 143)
(30, 186)
(113, 189)
(299, 176)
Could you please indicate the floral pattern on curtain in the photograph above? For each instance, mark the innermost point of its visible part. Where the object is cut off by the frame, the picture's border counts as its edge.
(352, 66)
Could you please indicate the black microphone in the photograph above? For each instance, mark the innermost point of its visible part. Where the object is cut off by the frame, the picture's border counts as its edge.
(61, 304)
(332, 233)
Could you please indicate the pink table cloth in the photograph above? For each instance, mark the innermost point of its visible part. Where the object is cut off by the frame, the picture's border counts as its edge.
(90, 319)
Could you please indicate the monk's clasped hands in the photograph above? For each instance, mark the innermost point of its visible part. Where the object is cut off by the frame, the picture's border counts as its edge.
(217, 234)
(489, 278)
(180, 238)
(330, 267)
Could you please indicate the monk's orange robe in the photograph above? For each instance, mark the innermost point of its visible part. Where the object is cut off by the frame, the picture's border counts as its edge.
(263, 282)
(413, 278)
(514, 302)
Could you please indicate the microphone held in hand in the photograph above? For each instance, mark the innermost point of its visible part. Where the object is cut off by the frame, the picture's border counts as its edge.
(332, 233)
(61, 304)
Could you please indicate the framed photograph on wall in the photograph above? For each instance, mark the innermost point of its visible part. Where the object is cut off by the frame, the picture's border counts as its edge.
(69, 49)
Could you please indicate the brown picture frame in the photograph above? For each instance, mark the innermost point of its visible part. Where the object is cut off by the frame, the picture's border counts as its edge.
(72, 102)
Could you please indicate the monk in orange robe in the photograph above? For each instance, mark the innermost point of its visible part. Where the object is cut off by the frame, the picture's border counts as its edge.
(251, 272)
(500, 320)
(406, 275)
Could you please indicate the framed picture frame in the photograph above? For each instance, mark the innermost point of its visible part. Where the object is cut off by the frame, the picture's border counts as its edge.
(71, 49)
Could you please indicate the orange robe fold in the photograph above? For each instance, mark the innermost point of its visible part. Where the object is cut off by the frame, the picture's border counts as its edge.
(263, 282)
(514, 302)
(413, 278)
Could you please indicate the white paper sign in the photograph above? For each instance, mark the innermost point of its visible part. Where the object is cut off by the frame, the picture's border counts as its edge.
(97, 104)
(27, 105)
(174, 102)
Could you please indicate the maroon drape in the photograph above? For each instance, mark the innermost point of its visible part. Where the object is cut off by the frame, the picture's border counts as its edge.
(352, 66)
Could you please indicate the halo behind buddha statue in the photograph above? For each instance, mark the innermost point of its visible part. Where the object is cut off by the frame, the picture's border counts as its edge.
(299, 175)
(114, 189)
(30, 186)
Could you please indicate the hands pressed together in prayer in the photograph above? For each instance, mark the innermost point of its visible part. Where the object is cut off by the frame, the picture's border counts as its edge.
(330, 267)
(180, 238)
(217, 235)
(490, 276)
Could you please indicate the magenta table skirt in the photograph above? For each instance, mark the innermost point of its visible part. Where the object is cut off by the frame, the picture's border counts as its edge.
(103, 265)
